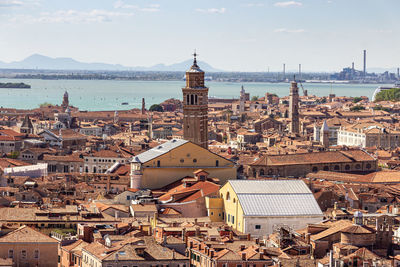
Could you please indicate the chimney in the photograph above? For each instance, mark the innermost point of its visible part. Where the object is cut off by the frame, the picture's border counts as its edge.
(191, 244)
(242, 247)
(243, 256)
(257, 241)
(197, 231)
(248, 237)
(308, 235)
(261, 255)
(164, 239)
(231, 235)
(183, 234)
(173, 254)
(212, 252)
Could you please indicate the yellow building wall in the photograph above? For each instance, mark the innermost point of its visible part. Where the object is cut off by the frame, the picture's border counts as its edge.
(232, 207)
(215, 208)
(183, 161)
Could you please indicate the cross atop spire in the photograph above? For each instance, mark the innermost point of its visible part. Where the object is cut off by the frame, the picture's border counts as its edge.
(194, 58)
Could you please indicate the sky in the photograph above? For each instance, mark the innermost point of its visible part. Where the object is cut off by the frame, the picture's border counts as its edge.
(232, 35)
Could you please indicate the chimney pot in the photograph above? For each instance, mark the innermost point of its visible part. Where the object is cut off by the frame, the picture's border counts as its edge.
(243, 256)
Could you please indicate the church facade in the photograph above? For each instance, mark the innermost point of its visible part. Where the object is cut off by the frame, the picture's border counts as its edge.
(174, 160)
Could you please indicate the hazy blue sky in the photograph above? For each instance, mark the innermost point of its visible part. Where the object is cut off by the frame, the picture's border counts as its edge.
(240, 35)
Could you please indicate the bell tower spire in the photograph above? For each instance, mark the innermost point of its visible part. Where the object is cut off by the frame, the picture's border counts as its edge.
(195, 106)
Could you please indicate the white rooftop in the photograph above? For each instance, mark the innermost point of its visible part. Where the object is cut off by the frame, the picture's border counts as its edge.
(269, 187)
(275, 198)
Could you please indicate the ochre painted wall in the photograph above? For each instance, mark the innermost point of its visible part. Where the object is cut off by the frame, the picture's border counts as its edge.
(232, 207)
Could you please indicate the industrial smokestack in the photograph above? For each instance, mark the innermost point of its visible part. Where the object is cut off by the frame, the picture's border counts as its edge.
(284, 70)
(398, 73)
(365, 63)
(300, 71)
(352, 66)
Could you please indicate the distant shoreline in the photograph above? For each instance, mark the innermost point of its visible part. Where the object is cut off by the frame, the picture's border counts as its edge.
(15, 86)
(154, 77)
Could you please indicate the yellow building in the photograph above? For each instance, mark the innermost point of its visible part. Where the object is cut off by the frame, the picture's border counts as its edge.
(257, 207)
(175, 160)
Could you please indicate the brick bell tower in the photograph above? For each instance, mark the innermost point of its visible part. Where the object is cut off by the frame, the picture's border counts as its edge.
(195, 106)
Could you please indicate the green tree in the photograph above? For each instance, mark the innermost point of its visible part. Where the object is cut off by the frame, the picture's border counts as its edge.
(357, 99)
(13, 155)
(45, 104)
(388, 95)
(156, 107)
(357, 108)
(254, 98)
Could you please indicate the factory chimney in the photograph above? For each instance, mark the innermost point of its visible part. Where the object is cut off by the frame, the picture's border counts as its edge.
(365, 63)
(284, 71)
(300, 71)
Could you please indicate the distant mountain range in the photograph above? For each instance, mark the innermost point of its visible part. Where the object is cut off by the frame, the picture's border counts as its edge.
(37, 61)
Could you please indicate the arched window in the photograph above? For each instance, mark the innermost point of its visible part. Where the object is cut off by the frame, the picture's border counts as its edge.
(254, 173)
(358, 166)
(228, 196)
(336, 168)
(191, 99)
(187, 99)
(368, 166)
(347, 167)
(326, 168)
(261, 172)
(315, 169)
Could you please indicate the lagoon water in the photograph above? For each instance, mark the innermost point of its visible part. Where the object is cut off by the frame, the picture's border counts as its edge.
(109, 94)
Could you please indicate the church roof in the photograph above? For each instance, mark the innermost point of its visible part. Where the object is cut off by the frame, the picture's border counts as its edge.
(159, 150)
(27, 123)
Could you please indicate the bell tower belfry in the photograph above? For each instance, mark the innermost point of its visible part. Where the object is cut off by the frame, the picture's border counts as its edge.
(195, 106)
